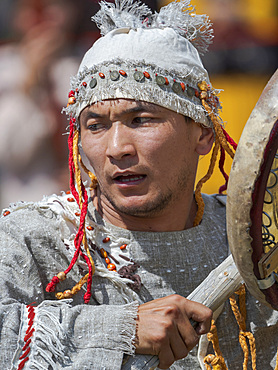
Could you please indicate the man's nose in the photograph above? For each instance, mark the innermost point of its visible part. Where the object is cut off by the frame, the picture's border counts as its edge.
(120, 141)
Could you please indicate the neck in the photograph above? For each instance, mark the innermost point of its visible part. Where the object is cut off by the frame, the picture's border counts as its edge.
(174, 218)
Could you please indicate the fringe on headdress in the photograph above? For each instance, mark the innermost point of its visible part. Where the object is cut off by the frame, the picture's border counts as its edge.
(179, 15)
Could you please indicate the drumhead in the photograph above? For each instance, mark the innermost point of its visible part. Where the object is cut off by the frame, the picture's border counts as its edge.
(252, 200)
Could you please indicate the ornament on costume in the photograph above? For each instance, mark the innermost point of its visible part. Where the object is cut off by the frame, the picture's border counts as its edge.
(124, 64)
(129, 31)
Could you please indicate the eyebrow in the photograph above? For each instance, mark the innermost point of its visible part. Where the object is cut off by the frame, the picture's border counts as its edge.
(141, 107)
(87, 115)
(90, 114)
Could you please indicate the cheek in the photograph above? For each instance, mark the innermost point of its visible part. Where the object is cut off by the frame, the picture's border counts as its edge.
(166, 149)
(174, 154)
(93, 151)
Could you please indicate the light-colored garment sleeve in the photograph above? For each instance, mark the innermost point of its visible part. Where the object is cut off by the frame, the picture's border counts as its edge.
(48, 333)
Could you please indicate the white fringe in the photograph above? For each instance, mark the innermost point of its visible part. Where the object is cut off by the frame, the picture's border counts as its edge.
(178, 15)
(124, 13)
(128, 329)
(66, 211)
(145, 91)
(45, 337)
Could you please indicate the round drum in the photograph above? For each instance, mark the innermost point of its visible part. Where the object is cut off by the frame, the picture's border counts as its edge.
(252, 202)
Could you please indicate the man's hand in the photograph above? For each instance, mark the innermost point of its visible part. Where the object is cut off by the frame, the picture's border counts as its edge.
(164, 329)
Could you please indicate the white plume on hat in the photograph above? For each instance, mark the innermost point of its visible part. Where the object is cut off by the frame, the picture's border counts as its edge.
(147, 57)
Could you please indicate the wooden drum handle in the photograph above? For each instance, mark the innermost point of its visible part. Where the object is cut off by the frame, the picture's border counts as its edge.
(218, 286)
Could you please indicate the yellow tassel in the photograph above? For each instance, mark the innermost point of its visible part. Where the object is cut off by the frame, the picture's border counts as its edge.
(216, 361)
(220, 141)
(276, 366)
(198, 196)
(74, 290)
(92, 176)
(240, 315)
(78, 286)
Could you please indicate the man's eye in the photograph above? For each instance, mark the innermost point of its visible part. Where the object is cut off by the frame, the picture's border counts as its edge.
(95, 127)
(141, 120)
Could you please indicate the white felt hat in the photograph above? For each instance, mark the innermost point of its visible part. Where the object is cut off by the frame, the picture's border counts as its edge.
(146, 57)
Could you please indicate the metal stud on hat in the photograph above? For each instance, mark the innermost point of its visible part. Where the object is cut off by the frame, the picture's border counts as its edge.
(148, 57)
(139, 76)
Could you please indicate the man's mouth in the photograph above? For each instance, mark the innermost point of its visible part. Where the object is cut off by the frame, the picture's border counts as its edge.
(129, 179)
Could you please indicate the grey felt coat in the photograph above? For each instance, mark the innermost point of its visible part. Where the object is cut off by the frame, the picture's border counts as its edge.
(37, 243)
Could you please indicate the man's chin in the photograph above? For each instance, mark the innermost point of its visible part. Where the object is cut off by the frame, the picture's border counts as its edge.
(141, 207)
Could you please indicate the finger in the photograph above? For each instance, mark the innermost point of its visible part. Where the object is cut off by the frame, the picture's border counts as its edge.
(178, 345)
(188, 334)
(203, 319)
(166, 357)
(199, 315)
(193, 312)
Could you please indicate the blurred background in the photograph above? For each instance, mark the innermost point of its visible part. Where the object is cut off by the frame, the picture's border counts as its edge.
(41, 45)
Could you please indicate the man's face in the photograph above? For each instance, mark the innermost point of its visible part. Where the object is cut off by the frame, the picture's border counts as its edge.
(144, 155)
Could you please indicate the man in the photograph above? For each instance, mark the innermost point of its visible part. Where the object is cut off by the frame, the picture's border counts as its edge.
(142, 110)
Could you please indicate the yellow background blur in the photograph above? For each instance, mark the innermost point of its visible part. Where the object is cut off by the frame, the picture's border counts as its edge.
(241, 91)
(238, 100)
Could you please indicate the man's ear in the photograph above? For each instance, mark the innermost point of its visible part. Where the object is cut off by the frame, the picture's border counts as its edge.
(206, 140)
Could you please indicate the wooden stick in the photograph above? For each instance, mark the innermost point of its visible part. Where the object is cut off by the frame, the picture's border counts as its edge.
(218, 286)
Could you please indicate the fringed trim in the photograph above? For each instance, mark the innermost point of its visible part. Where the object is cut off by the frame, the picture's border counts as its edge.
(38, 340)
(25, 345)
(124, 13)
(68, 221)
(16, 206)
(179, 15)
(128, 328)
(176, 91)
(119, 282)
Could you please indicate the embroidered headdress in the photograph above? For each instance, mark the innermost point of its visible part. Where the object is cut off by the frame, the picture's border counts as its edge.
(147, 57)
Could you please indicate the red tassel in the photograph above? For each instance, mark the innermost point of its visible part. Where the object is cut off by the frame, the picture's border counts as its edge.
(52, 285)
(77, 240)
(87, 295)
(221, 167)
(229, 139)
(79, 236)
(80, 233)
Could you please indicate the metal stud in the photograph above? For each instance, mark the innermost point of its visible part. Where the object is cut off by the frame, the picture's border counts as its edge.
(93, 83)
(114, 75)
(139, 76)
(190, 91)
(160, 80)
(176, 87)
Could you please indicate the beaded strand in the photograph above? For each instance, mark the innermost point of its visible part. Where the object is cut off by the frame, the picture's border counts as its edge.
(81, 198)
(222, 143)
